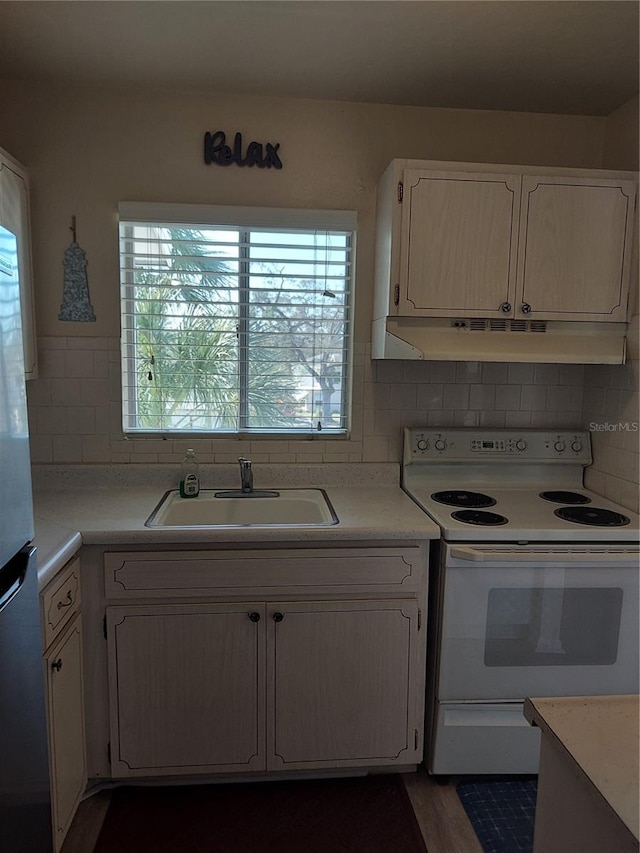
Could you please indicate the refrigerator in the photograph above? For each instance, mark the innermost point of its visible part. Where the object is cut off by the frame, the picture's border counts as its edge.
(25, 799)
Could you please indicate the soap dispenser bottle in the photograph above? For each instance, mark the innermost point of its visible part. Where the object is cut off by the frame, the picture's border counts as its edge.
(189, 476)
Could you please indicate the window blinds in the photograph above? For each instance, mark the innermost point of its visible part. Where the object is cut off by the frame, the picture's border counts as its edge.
(234, 327)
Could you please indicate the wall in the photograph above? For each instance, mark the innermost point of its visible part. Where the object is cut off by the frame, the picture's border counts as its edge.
(611, 408)
(86, 150)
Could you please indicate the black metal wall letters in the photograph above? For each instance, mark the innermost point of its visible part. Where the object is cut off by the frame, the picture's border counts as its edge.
(217, 151)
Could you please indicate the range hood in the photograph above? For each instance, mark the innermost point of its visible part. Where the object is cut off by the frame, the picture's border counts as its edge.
(476, 339)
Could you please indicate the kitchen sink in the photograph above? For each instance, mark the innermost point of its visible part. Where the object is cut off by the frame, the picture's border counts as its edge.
(234, 508)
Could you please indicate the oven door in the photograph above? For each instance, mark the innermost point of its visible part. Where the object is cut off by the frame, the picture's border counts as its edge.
(518, 621)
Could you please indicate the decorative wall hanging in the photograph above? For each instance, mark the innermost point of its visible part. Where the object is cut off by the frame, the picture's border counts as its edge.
(217, 151)
(75, 297)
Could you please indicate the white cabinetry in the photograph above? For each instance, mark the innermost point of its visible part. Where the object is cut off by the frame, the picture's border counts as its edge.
(62, 630)
(473, 247)
(575, 248)
(268, 680)
(186, 688)
(343, 676)
(458, 243)
(15, 216)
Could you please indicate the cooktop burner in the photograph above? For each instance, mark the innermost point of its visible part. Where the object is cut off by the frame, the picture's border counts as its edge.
(461, 497)
(483, 519)
(592, 516)
(565, 497)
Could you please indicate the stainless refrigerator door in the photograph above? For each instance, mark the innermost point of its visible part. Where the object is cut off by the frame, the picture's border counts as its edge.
(25, 801)
(16, 509)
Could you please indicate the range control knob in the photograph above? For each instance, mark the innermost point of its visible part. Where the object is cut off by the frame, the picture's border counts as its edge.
(576, 446)
(422, 444)
(440, 444)
(559, 446)
(521, 444)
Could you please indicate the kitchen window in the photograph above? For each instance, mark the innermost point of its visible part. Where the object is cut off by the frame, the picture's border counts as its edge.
(235, 320)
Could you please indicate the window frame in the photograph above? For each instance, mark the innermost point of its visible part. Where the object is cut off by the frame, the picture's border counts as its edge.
(240, 218)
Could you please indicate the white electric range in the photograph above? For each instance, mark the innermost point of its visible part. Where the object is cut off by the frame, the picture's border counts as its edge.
(534, 588)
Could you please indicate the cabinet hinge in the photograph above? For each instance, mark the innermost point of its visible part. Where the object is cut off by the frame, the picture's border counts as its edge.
(419, 618)
(416, 739)
(396, 295)
(400, 192)
(104, 626)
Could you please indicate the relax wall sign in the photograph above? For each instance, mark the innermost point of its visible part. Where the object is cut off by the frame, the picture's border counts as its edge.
(217, 151)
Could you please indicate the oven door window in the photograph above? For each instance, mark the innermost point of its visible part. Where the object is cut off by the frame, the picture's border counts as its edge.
(552, 626)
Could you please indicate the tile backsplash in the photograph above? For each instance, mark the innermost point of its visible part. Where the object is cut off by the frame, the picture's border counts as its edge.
(74, 412)
(75, 408)
(610, 412)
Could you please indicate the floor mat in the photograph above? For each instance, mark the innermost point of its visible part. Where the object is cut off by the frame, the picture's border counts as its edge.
(501, 813)
(371, 814)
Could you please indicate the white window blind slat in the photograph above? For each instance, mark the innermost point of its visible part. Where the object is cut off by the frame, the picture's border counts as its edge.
(235, 328)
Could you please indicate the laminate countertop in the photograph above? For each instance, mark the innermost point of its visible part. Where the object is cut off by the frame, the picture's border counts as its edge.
(56, 545)
(108, 505)
(600, 734)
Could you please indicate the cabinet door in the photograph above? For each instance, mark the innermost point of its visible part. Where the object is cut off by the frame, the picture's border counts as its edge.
(459, 244)
(14, 215)
(186, 688)
(574, 257)
(343, 683)
(66, 728)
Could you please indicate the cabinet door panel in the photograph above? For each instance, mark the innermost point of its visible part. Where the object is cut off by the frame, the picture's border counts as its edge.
(576, 236)
(66, 723)
(14, 215)
(187, 688)
(343, 679)
(459, 243)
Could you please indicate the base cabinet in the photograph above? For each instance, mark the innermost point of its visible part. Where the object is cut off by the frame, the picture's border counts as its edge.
(60, 603)
(342, 676)
(66, 727)
(204, 688)
(187, 688)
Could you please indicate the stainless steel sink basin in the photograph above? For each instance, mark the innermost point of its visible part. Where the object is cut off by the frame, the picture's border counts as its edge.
(213, 508)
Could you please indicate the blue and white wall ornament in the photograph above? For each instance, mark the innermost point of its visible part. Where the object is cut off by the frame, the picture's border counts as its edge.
(75, 298)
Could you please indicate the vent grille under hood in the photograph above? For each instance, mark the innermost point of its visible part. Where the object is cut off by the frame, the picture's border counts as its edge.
(476, 324)
(479, 339)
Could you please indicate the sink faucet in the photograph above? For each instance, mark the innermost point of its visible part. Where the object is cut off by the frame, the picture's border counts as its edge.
(246, 475)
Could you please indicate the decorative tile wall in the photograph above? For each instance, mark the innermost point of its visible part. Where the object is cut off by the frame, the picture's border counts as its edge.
(74, 408)
(610, 412)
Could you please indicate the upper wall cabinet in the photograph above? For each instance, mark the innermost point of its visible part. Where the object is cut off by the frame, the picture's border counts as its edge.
(506, 249)
(575, 248)
(15, 216)
(458, 243)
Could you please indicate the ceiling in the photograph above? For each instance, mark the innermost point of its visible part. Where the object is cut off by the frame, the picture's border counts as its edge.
(567, 56)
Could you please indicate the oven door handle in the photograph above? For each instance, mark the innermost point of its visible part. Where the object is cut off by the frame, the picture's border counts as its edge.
(569, 555)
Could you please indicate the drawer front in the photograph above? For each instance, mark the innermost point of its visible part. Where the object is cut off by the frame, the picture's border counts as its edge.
(61, 600)
(175, 574)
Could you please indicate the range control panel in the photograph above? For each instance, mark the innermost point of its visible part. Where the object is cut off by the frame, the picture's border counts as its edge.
(474, 445)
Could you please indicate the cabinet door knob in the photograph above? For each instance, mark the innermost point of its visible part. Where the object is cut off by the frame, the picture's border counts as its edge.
(255, 617)
(525, 308)
(57, 665)
(506, 307)
(278, 617)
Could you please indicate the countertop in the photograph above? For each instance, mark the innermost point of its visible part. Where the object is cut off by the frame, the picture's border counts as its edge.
(56, 545)
(71, 511)
(601, 735)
